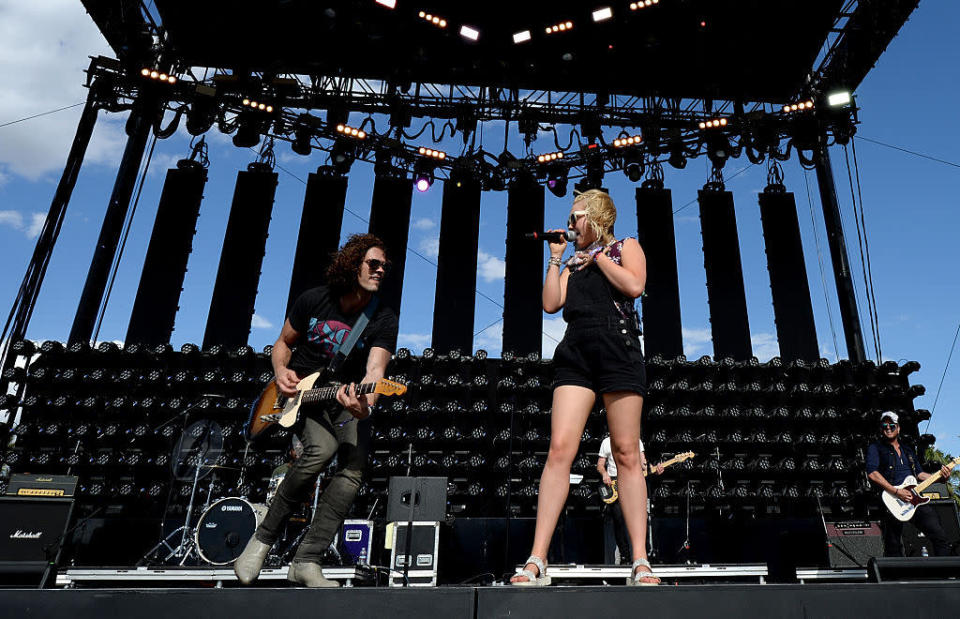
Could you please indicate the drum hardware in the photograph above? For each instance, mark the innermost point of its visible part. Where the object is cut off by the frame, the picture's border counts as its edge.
(198, 447)
(224, 529)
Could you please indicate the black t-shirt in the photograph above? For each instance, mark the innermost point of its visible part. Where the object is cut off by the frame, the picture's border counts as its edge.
(316, 316)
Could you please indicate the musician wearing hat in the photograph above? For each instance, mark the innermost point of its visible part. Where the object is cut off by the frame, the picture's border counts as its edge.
(889, 464)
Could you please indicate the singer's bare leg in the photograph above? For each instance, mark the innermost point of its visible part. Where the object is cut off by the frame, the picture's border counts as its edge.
(571, 408)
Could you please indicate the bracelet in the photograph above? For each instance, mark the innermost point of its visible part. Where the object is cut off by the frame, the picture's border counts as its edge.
(555, 261)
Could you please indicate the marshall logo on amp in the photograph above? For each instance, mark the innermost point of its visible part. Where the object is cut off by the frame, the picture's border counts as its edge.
(31, 530)
(18, 534)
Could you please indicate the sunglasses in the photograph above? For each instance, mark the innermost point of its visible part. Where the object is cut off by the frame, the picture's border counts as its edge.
(375, 265)
(574, 216)
(888, 426)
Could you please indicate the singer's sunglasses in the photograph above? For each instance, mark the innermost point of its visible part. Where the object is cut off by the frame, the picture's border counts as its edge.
(574, 216)
(888, 426)
(375, 265)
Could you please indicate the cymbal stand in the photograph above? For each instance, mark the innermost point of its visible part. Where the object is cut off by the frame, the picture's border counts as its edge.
(187, 546)
(685, 546)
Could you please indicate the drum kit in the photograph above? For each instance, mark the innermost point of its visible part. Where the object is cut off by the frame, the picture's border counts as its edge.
(225, 524)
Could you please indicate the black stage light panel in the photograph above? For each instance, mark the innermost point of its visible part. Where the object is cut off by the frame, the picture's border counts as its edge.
(390, 220)
(523, 281)
(661, 303)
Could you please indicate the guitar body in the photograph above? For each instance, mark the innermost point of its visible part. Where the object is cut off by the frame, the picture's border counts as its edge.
(609, 494)
(904, 510)
(273, 408)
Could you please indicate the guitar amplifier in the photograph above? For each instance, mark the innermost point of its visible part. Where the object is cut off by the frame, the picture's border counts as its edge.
(429, 498)
(423, 548)
(858, 538)
(42, 486)
(31, 532)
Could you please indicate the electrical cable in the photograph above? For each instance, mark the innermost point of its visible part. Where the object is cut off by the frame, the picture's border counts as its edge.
(823, 279)
(863, 260)
(866, 242)
(59, 109)
(123, 241)
(953, 347)
(906, 150)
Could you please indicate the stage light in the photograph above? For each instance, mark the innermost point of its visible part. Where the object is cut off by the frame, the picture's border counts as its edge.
(257, 106)
(433, 19)
(838, 99)
(714, 123)
(801, 106)
(636, 6)
(633, 167)
(521, 37)
(352, 132)
(390, 4)
(718, 149)
(248, 134)
(602, 14)
(423, 175)
(429, 152)
(469, 33)
(342, 155)
(557, 180)
(548, 157)
(561, 27)
(633, 140)
(301, 141)
(158, 76)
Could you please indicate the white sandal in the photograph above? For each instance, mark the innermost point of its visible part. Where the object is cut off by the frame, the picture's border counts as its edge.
(634, 579)
(533, 580)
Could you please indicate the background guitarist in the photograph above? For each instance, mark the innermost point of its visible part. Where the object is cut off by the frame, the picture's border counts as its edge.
(614, 527)
(319, 321)
(889, 462)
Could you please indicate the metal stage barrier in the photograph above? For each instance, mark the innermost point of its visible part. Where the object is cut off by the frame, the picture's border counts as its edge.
(102, 576)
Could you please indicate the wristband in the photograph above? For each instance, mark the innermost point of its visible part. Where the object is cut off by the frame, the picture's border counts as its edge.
(554, 260)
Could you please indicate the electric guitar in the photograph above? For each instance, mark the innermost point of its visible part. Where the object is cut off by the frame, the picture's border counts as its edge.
(609, 494)
(272, 407)
(904, 510)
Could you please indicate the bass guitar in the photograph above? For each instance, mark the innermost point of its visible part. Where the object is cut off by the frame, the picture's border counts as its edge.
(904, 510)
(609, 494)
(272, 407)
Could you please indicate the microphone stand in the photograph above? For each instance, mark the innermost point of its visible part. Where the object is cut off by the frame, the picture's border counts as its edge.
(413, 502)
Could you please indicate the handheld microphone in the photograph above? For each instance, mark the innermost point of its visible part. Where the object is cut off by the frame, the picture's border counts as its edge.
(553, 237)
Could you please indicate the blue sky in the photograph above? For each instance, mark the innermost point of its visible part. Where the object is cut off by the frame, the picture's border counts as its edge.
(910, 203)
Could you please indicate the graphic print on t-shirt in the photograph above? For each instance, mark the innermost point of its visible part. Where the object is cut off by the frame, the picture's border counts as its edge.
(328, 335)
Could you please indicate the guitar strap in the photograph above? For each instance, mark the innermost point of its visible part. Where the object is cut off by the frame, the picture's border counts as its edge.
(358, 326)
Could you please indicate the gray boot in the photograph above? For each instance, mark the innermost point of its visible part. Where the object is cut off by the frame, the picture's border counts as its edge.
(248, 564)
(309, 574)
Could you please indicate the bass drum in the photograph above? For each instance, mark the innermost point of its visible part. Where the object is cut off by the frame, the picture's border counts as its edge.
(225, 528)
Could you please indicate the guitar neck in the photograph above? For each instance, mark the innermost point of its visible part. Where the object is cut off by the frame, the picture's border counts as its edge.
(330, 392)
(667, 463)
(934, 478)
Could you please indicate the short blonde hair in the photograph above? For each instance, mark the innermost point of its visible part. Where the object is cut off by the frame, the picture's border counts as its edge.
(601, 212)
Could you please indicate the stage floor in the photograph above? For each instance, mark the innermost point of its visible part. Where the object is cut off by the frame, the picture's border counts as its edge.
(926, 599)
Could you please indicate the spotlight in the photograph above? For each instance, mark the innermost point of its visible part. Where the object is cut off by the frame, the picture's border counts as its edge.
(423, 174)
(548, 157)
(248, 133)
(257, 106)
(429, 152)
(342, 155)
(521, 37)
(158, 76)
(602, 14)
(557, 180)
(718, 149)
(801, 106)
(433, 19)
(839, 99)
(633, 167)
(469, 33)
(678, 158)
(633, 140)
(301, 141)
(202, 111)
(390, 4)
(636, 6)
(561, 27)
(352, 132)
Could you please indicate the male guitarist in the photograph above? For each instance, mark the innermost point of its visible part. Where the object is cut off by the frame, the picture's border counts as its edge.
(319, 322)
(889, 462)
(613, 514)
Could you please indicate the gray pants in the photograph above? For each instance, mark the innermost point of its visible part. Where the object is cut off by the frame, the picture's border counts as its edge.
(323, 435)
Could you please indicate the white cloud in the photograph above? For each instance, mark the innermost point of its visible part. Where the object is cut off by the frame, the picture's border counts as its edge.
(416, 342)
(827, 354)
(553, 329)
(36, 225)
(17, 221)
(44, 48)
(430, 248)
(259, 322)
(491, 340)
(489, 267)
(423, 223)
(697, 342)
(765, 346)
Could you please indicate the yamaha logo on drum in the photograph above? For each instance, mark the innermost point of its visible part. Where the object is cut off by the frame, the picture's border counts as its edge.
(231, 508)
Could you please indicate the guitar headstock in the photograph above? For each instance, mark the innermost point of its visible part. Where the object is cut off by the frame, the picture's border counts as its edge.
(390, 387)
(685, 456)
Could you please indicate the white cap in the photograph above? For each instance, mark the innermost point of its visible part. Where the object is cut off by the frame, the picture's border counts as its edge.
(892, 415)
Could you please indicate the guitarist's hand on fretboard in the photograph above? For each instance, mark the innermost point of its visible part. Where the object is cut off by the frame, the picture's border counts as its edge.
(356, 405)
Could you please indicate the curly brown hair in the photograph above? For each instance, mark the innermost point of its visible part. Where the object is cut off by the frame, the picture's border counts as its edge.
(345, 266)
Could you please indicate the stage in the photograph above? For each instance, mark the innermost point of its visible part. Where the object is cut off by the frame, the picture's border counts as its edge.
(930, 599)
